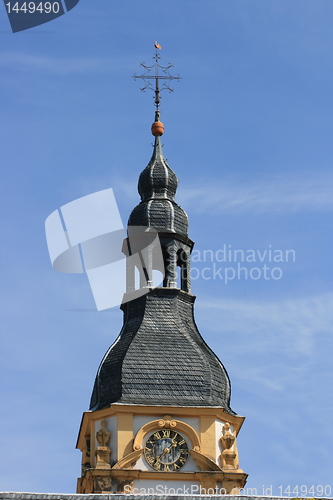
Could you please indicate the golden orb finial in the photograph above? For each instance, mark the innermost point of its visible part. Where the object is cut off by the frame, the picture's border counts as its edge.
(157, 128)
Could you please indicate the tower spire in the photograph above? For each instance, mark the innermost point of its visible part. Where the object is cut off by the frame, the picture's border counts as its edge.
(160, 391)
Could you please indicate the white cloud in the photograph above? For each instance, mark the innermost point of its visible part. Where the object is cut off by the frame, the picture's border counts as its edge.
(272, 346)
(283, 325)
(62, 66)
(280, 194)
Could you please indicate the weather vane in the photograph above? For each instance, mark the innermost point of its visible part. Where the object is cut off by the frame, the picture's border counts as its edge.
(165, 77)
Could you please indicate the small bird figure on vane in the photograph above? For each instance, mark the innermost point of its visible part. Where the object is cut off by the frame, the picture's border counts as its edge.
(157, 45)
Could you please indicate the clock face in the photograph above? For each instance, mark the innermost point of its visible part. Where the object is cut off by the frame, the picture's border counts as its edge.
(166, 450)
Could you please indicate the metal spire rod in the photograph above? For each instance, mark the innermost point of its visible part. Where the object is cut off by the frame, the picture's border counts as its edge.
(146, 77)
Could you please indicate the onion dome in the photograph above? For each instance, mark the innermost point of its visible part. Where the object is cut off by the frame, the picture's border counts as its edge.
(157, 180)
(157, 187)
(160, 358)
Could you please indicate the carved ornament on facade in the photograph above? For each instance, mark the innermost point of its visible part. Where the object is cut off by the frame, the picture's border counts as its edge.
(103, 452)
(229, 453)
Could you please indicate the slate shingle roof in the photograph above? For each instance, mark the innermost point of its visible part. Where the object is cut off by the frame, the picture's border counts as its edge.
(157, 188)
(160, 358)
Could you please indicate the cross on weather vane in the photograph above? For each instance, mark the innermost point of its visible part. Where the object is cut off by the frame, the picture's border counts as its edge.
(165, 77)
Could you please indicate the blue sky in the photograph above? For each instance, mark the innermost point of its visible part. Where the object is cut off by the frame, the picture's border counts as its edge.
(248, 131)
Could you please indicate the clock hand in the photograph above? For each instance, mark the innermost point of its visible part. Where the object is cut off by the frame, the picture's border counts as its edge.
(166, 450)
(158, 459)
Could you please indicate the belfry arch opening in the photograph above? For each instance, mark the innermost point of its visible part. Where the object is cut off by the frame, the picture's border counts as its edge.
(183, 262)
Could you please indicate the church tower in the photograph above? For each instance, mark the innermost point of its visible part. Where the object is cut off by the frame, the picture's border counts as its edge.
(160, 419)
